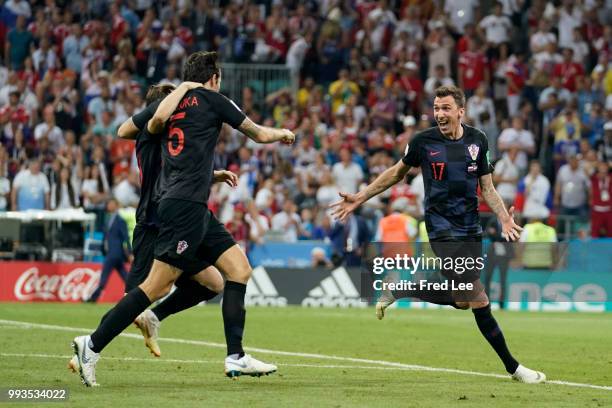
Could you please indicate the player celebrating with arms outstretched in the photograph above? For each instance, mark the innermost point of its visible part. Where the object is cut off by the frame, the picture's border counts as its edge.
(453, 159)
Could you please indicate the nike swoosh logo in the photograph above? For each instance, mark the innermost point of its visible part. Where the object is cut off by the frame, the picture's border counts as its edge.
(83, 358)
(434, 153)
(242, 364)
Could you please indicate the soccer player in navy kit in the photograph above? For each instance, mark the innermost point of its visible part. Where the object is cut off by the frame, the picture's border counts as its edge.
(453, 159)
(189, 232)
(190, 291)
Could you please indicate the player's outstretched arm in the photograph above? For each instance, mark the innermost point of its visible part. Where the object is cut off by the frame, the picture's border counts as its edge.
(128, 130)
(264, 134)
(225, 176)
(349, 203)
(168, 106)
(510, 230)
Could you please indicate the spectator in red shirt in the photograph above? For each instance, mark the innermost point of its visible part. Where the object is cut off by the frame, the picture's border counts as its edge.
(238, 227)
(568, 70)
(601, 201)
(517, 74)
(120, 27)
(412, 84)
(469, 33)
(473, 68)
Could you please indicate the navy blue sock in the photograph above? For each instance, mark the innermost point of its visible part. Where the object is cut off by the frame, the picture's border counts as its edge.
(118, 318)
(234, 316)
(184, 297)
(491, 331)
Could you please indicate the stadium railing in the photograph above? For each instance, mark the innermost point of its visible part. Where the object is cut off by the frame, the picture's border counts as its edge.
(264, 79)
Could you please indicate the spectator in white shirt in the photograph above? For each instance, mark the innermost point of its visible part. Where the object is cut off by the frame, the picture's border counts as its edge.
(572, 188)
(478, 104)
(546, 59)
(541, 38)
(297, 53)
(518, 137)
(44, 58)
(63, 192)
(5, 187)
(30, 189)
(258, 223)
(328, 191)
(95, 189)
(126, 191)
(537, 189)
(496, 26)
(460, 13)
(287, 221)
(556, 88)
(347, 174)
(49, 130)
(19, 7)
(506, 176)
(570, 17)
(580, 47)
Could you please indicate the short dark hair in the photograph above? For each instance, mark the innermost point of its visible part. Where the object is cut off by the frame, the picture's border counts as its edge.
(453, 91)
(158, 91)
(201, 66)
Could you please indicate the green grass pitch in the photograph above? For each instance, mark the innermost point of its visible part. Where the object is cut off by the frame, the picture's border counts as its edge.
(567, 347)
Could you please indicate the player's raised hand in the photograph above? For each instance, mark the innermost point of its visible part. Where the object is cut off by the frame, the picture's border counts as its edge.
(288, 137)
(341, 209)
(510, 230)
(227, 177)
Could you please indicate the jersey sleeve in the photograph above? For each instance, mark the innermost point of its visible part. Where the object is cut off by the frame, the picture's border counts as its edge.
(144, 133)
(412, 155)
(229, 112)
(141, 118)
(484, 165)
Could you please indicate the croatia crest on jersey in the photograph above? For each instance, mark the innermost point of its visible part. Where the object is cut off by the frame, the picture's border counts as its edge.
(181, 247)
(473, 151)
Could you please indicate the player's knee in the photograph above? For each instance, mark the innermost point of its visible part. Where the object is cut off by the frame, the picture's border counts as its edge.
(478, 305)
(240, 275)
(216, 285)
(156, 290)
(244, 274)
(462, 305)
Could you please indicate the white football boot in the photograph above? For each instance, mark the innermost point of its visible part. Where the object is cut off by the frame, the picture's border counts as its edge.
(247, 365)
(149, 324)
(528, 376)
(86, 360)
(385, 300)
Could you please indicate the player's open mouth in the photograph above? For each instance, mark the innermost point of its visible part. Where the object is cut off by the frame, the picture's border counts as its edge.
(443, 123)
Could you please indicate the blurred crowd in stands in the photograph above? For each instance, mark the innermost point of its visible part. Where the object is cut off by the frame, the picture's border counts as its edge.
(537, 76)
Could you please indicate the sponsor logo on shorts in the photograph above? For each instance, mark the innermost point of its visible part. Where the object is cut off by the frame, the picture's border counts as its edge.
(181, 247)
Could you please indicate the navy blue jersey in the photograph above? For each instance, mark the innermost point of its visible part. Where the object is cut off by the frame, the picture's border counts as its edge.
(188, 147)
(148, 154)
(450, 173)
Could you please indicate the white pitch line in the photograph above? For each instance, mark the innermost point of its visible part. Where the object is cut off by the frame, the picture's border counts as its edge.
(413, 367)
(174, 360)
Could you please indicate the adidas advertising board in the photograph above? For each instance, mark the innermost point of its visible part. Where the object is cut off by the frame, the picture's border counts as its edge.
(307, 287)
(261, 290)
(337, 290)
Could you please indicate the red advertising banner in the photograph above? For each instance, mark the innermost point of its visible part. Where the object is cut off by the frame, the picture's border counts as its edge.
(55, 282)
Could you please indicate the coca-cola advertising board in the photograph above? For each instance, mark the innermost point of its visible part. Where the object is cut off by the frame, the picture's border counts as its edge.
(55, 282)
